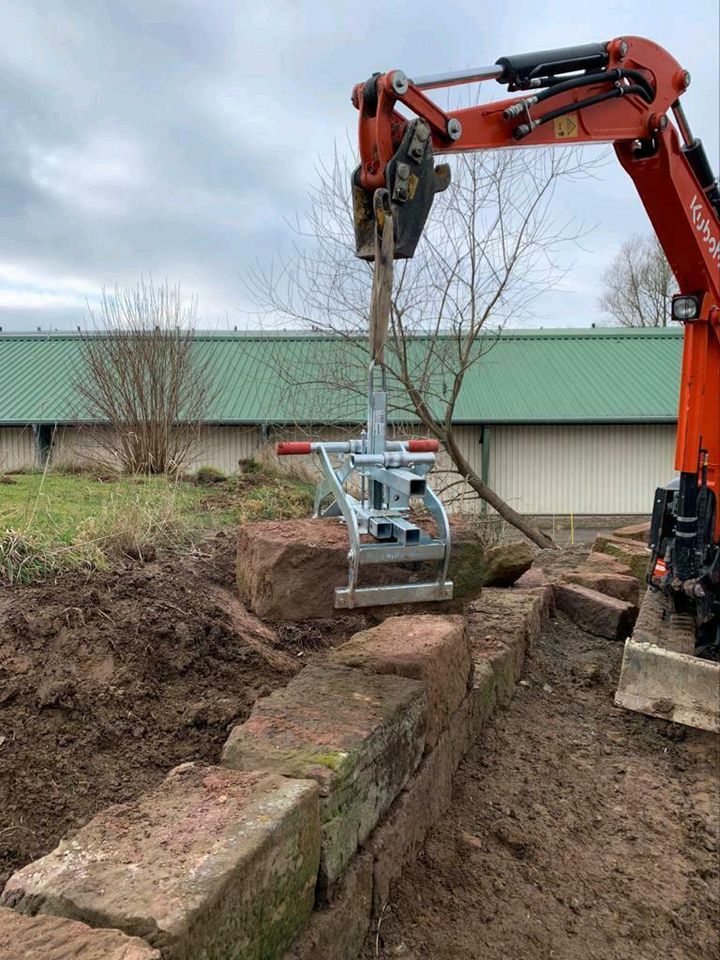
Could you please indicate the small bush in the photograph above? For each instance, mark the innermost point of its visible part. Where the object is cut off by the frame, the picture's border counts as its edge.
(206, 476)
(249, 466)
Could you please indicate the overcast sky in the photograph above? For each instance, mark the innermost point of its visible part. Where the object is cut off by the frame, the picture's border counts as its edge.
(176, 136)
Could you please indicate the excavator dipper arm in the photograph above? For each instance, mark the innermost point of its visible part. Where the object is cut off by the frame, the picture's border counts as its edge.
(625, 92)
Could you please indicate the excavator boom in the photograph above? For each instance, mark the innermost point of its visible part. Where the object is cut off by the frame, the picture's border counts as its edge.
(625, 92)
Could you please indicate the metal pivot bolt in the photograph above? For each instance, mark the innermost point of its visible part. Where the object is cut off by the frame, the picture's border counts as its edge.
(401, 183)
(399, 82)
(421, 135)
(454, 128)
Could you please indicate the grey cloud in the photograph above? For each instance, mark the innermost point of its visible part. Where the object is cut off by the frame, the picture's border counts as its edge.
(177, 136)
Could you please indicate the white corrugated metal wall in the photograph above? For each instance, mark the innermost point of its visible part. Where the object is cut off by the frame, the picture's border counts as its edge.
(17, 448)
(581, 469)
(223, 447)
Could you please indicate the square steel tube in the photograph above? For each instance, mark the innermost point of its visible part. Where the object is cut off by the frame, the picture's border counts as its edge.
(406, 532)
(399, 479)
(380, 528)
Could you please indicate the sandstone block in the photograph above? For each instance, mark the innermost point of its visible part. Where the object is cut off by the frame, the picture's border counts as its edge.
(428, 793)
(506, 562)
(212, 863)
(501, 626)
(432, 649)
(554, 562)
(53, 938)
(360, 735)
(288, 570)
(613, 584)
(634, 555)
(467, 723)
(401, 835)
(338, 932)
(534, 577)
(635, 531)
(604, 563)
(595, 612)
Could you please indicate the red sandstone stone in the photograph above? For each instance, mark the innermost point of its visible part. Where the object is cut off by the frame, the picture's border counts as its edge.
(433, 649)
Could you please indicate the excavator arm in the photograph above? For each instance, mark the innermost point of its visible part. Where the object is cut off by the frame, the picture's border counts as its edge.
(625, 92)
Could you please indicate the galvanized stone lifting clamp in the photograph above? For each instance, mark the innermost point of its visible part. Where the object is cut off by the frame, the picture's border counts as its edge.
(388, 475)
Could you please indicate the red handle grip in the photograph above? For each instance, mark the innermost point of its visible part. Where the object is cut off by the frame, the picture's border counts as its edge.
(423, 446)
(290, 448)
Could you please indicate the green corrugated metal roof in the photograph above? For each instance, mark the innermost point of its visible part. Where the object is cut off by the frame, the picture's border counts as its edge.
(536, 376)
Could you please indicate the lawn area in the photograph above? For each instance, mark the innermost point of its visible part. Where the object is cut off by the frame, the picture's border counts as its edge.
(52, 522)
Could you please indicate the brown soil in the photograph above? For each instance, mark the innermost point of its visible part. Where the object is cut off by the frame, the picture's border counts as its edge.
(577, 831)
(107, 682)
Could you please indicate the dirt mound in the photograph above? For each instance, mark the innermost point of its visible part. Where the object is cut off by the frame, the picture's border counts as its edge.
(106, 682)
(577, 831)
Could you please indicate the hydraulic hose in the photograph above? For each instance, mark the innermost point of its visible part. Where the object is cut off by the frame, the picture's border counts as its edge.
(525, 128)
(640, 85)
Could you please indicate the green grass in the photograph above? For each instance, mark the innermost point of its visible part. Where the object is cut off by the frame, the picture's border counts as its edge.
(54, 522)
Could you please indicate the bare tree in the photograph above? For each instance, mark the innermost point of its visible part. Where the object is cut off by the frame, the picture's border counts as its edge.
(142, 377)
(639, 284)
(487, 254)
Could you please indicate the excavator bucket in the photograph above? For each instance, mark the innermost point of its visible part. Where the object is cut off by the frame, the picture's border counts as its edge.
(660, 675)
(670, 685)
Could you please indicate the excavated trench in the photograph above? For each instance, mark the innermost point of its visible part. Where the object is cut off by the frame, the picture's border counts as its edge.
(576, 832)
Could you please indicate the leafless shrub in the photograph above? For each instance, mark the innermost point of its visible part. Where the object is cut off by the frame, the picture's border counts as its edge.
(144, 377)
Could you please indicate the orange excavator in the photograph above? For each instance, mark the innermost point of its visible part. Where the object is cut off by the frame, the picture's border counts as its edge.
(626, 92)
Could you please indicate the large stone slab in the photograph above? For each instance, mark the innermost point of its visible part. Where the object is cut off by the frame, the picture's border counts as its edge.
(604, 563)
(432, 649)
(467, 723)
(212, 863)
(338, 932)
(54, 938)
(360, 735)
(506, 562)
(427, 794)
(613, 584)
(288, 570)
(502, 624)
(399, 838)
(634, 531)
(634, 555)
(596, 612)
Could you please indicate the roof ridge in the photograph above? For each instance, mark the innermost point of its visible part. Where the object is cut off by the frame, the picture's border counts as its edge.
(533, 333)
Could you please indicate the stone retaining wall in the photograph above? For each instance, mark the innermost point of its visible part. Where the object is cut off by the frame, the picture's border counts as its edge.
(287, 850)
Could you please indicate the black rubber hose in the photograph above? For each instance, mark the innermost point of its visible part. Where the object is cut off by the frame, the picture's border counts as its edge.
(524, 129)
(641, 85)
(611, 75)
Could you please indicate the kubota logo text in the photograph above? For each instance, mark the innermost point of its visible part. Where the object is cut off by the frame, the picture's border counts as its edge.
(702, 225)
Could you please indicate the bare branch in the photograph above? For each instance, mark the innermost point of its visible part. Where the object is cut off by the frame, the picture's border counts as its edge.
(639, 285)
(144, 377)
(488, 251)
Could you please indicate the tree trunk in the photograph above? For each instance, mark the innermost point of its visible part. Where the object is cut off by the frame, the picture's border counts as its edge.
(487, 494)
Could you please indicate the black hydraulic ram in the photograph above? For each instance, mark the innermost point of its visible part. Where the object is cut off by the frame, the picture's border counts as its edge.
(520, 70)
(697, 158)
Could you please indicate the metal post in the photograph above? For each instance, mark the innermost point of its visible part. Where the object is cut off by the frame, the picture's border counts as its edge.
(485, 463)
